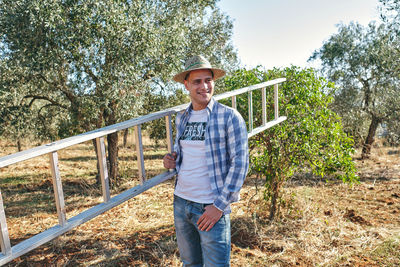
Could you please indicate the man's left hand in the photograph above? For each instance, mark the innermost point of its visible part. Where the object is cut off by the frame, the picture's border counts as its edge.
(209, 218)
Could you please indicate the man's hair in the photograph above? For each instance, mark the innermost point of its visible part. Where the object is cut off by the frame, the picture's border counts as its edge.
(187, 75)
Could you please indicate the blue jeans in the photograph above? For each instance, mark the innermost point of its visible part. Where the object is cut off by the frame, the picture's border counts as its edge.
(196, 247)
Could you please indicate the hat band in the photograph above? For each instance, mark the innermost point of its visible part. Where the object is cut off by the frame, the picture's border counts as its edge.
(197, 63)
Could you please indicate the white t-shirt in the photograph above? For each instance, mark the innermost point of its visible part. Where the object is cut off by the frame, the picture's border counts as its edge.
(193, 182)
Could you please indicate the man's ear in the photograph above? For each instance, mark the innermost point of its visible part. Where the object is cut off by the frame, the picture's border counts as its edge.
(185, 83)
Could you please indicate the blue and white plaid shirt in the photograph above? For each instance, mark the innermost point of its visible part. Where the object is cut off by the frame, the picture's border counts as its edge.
(227, 152)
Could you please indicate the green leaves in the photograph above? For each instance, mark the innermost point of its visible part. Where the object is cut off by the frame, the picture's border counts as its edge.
(99, 59)
(363, 62)
(311, 138)
(82, 65)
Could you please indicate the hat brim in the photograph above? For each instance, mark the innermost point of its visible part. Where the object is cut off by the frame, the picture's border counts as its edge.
(180, 77)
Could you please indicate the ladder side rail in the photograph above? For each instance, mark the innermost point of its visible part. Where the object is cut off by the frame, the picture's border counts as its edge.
(77, 139)
(266, 126)
(249, 88)
(102, 160)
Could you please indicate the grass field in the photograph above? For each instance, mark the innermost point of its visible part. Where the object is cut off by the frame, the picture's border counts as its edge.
(320, 224)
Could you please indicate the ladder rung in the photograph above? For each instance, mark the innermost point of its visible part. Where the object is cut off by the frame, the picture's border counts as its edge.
(234, 104)
(57, 186)
(139, 153)
(4, 237)
(101, 158)
(168, 127)
(276, 101)
(250, 98)
(264, 105)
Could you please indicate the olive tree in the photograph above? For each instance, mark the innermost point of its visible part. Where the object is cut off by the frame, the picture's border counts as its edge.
(390, 15)
(15, 119)
(311, 139)
(361, 61)
(93, 62)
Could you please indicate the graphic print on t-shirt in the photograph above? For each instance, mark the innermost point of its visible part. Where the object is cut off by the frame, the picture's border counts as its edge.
(194, 131)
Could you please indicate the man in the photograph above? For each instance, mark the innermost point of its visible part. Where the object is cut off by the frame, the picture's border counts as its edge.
(211, 159)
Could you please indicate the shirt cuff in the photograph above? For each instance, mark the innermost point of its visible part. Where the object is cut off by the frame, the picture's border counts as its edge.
(218, 208)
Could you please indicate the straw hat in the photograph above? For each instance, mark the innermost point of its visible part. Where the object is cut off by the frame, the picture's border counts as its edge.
(197, 63)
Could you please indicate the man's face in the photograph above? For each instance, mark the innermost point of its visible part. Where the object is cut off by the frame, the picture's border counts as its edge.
(200, 85)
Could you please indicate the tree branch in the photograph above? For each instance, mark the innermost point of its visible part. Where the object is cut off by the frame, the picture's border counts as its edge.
(91, 74)
(41, 76)
(367, 93)
(68, 94)
(46, 106)
(37, 97)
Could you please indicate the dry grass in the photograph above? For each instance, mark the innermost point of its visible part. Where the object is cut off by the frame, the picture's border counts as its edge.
(321, 224)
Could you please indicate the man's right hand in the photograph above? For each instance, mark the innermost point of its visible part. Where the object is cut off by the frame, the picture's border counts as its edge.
(169, 160)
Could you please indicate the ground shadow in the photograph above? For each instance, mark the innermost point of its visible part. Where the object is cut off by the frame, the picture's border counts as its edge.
(244, 234)
(121, 158)
(394, 152)
(26, 199)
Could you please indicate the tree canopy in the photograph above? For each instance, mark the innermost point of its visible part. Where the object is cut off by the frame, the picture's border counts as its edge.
(360, 60)
(92, 63)
(312, 137)
(390, 13)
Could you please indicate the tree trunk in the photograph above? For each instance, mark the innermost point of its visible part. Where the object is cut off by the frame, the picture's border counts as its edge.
(19, 146)
(366, 150)
(274, 199)
(112, 141)
(126, 137)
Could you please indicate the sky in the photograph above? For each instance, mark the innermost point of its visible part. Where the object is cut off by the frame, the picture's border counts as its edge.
(278, 33)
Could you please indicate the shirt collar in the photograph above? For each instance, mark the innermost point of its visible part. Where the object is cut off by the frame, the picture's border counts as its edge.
(210, 106)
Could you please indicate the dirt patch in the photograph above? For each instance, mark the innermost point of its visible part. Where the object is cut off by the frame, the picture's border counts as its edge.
(351, 215)
(326, 224)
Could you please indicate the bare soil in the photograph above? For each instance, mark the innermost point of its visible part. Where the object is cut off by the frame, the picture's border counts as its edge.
(320, 223)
